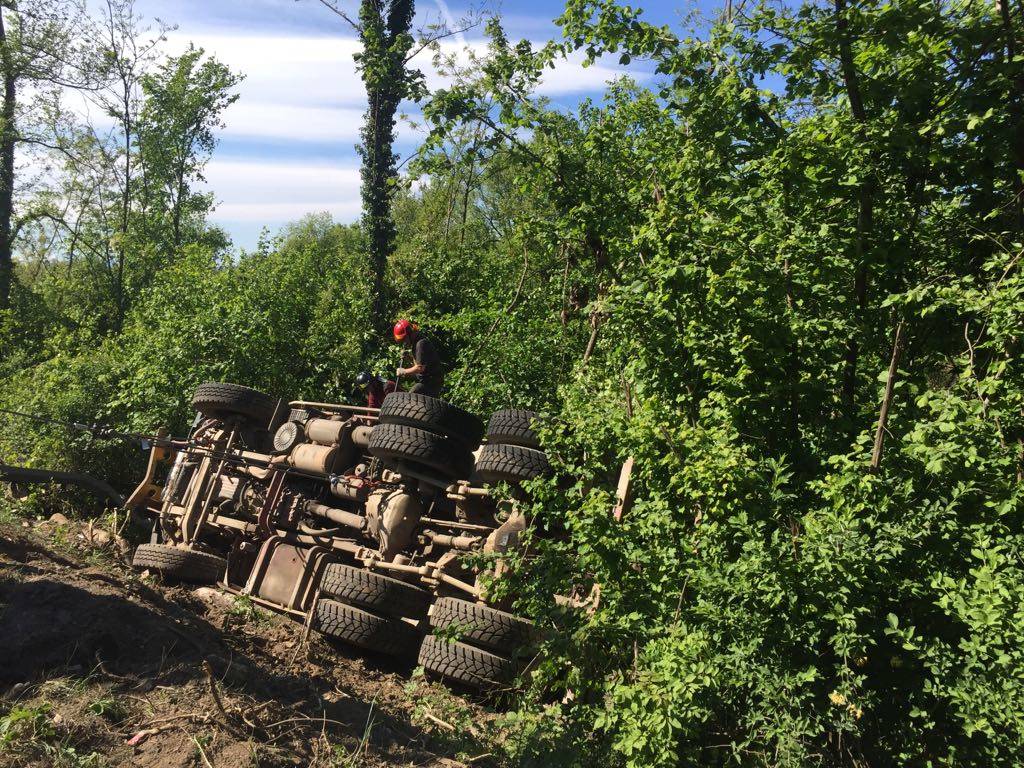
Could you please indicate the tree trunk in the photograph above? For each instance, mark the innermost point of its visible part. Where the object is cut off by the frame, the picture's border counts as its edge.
(8, 138)
(865, 217)
(126, 205)
(386, 79)
(1016, 108)
(176, 211)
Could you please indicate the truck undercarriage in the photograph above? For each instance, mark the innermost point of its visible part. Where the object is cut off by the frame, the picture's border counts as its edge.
(381, 528)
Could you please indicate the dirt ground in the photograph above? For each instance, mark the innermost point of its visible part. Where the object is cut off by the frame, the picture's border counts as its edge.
(102, 667)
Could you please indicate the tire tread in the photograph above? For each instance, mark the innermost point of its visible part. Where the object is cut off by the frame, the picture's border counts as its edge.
(464, 664)
(483, 626)
(365, 630)
(375, 591)
(432, 414)
(511, 463)
(418, 446)
(184, 564)
(513, 426)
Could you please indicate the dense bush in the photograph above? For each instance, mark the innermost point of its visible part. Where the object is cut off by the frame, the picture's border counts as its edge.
(782, 593)
(288, 318)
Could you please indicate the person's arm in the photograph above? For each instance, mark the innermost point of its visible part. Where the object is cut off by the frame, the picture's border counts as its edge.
(421, 352)
(415, 370)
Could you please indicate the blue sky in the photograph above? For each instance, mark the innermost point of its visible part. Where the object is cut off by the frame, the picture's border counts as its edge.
(289, 143)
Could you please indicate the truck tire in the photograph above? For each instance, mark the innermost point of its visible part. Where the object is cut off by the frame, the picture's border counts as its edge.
(220, 399)
(513, 427)
(484, 627)
(420, 447)
(182, 564)
(464, 664)
(434, 415)
(365, 630)
(377, 592)
(510, 463)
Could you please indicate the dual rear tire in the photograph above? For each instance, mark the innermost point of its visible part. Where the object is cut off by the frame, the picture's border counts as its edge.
(475, 645)
(427, 435)
(512, 453)
(370, 610)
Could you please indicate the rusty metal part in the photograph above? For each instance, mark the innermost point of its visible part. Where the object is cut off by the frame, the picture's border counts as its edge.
(334, 407)
(506, 536)
(286, 574)
(404, 470)
(456, 524)
(339, 516)
(191, 501)
(270, 503)
(147, 492)
(392, 516)
(178, 478)
(350, 487)
(462, 490)
(311, 457)
(300, 615)
(432, 573)
(454, 542)
(191, 531)
(361, 435)
(327, 431)
(503, 539)
(288, 435)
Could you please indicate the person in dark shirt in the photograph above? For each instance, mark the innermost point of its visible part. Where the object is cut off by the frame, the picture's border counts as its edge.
(426, 365)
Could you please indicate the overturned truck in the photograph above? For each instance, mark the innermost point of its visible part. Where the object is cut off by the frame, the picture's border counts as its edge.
(381, 528)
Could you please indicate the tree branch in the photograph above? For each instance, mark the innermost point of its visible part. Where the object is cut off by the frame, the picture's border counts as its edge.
(336, 10)
(883, 415)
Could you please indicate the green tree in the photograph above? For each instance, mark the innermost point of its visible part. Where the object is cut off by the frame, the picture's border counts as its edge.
(778, 594)
(184, 99)
(385, 31)
(41, 54)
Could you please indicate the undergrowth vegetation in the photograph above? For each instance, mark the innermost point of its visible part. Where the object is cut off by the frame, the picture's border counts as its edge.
(784, 276)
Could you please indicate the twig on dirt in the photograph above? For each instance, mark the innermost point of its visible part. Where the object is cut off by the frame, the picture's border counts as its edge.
(202, 753)
(195, 717)
(213, 690)
(145, 733)
(228, 723)
(235, 713)
(127, 518)
(102, 668)
(282, 734)
(307, 627)
(439, 721)
(307, 718)
(256, 728)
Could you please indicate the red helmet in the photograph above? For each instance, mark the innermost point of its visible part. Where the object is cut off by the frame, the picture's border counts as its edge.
(402, 328)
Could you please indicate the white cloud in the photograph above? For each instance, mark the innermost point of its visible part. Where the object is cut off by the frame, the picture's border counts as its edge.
(276, 192)
(276, 120)
(286, 69)
(308, 89)
(570, 77)
(275, 214)
(304, 91)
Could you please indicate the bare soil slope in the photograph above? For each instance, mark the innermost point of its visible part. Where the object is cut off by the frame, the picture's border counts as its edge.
(99, 667)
